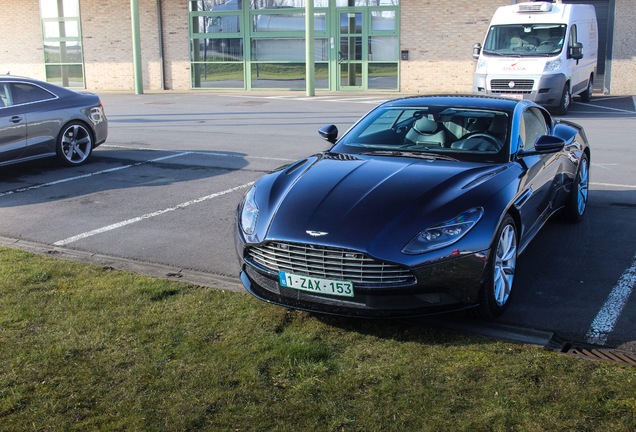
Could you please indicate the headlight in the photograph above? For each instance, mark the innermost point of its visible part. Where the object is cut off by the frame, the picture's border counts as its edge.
(249, 213)
(444, 234)
(552, 65)
(482, 66)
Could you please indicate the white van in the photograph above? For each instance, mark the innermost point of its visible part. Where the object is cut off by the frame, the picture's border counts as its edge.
(542, 51)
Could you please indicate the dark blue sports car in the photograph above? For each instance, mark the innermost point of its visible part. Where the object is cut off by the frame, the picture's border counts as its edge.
(423, 206)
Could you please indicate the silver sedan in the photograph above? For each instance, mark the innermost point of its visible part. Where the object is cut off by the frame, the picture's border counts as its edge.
(39, 119)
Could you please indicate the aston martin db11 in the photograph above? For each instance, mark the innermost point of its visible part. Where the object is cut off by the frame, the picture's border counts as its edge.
(423, 206)
(39, 119)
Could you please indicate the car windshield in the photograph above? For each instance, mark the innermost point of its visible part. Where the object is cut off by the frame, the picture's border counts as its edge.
(459, 133)
(527, 40)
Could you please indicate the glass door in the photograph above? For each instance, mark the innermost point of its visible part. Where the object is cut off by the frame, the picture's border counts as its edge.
(352, 50)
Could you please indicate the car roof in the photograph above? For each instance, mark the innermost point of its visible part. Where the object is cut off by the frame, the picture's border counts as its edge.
(54, 88)
(458, 101)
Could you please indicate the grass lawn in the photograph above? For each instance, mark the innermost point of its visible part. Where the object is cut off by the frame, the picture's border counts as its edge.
(84, 347)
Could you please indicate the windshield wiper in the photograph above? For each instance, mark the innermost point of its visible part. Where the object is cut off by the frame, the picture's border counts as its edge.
(410, 153)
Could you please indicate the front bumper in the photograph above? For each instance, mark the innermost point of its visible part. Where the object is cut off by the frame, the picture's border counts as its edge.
(546, 90)
(442, 287)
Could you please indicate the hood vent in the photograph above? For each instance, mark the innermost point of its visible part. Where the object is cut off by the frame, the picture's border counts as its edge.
(340, 156)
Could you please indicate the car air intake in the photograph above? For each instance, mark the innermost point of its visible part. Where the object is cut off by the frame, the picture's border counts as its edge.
(327, 263)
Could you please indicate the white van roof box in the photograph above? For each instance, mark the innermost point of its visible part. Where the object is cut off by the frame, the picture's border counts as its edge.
(540, 6)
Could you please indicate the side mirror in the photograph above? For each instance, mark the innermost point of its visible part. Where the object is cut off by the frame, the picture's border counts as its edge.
(545, 144)
(476, 50)
(329, 133)
(576, 51)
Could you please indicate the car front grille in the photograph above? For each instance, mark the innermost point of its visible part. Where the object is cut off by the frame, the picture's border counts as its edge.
(327, 263)
(521, 86)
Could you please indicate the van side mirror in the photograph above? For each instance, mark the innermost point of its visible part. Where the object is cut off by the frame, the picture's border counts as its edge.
(476, 50)
(576, 51)
(329, 133)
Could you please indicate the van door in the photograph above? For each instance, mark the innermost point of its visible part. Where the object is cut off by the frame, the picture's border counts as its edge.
(578, 72)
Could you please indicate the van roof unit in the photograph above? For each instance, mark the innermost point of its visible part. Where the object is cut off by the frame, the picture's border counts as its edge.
(542, 6)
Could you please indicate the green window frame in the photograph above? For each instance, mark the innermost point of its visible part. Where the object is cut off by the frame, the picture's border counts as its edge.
(248, 44)
(62, 42)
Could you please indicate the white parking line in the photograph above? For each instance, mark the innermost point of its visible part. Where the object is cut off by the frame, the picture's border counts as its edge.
(622, 186)
(68, 179)
(607, 108)
(607, 317)
(148, 215)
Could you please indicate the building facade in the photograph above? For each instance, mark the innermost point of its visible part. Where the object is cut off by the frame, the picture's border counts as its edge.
(397, 46)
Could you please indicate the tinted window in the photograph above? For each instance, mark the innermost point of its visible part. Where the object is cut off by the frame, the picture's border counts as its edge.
(532, 127)
(25, 93)
(470, 134)
(4, 96)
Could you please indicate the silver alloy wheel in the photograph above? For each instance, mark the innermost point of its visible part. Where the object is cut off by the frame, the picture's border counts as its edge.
(582, 187)
(76, 143)
(505, 262)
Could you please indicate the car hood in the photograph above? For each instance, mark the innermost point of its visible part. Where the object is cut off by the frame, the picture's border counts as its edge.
(363, 203)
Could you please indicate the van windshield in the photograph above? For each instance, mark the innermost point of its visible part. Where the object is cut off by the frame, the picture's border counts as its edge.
(525, 40)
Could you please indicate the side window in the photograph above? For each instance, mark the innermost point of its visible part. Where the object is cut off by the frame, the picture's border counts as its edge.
(25, 93)
(4, 96)
(533, 126)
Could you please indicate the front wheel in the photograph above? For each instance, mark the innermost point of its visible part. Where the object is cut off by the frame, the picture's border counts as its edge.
(566, 99)
(74, 144)
(500, 276)
(576, 202)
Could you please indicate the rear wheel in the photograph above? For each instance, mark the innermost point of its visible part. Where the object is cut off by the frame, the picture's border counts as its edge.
(587, 94)
(501, 270)
(576, 202)
(74, 144)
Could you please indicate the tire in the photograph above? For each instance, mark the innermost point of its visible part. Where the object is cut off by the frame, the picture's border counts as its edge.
(586, 96)
(564, 103)
(502, 262)
(74, 144)
(576, 202)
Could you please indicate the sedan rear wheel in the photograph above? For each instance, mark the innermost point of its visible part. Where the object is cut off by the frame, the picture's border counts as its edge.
(501, 272)
(74, 144)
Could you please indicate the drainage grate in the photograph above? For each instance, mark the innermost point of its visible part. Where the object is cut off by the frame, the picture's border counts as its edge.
(599, 354)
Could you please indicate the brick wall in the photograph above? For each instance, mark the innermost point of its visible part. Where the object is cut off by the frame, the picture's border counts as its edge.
(439, 36)
(21, 49)
(176, 45)
(107, 39)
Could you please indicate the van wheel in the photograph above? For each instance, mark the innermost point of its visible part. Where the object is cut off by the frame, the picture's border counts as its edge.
(566, 98)
(587, 94)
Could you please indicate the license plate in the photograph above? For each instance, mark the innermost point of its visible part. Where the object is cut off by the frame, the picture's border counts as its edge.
(513, 95)
(316, 285)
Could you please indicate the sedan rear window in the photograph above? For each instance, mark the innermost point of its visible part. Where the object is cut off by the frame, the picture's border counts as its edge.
(23, 93)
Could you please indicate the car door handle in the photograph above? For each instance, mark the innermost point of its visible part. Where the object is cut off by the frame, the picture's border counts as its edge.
(16, 119)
